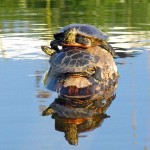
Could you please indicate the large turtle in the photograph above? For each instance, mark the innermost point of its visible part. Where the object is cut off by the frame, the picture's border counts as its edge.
(76, 67)
(81, 35)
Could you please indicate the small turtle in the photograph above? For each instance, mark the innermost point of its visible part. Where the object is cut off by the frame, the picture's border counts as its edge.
(81, 35)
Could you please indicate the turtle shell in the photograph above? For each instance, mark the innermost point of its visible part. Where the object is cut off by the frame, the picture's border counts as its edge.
(72, 60)
(85, 29)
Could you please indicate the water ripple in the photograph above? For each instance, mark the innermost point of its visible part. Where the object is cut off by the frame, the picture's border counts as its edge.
(27, 45)
(16, 47)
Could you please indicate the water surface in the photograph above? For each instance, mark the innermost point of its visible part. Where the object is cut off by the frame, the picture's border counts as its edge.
(25, 26)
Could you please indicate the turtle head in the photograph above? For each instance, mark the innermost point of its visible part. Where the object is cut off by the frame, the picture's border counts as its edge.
(48, 50)
(71, 37)
(56, 45)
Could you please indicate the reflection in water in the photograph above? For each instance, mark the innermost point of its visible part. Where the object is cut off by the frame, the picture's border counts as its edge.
(72, 127)
(85, 75)
(73, 120)
(40, 93)
(43, 94)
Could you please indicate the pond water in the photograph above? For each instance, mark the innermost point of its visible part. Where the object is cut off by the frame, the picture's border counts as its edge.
(25, 25)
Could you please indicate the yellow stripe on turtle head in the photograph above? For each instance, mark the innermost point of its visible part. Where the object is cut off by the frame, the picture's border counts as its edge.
(70, 37)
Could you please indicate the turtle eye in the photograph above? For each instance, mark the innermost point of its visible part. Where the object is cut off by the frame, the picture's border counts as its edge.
(87, 42)
(83, 40)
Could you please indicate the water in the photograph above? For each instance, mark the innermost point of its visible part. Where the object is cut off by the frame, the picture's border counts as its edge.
(25, 26)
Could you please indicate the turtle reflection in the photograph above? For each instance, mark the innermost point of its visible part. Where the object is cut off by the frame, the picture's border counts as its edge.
(84, 75)
(72, 127)
(73, 121)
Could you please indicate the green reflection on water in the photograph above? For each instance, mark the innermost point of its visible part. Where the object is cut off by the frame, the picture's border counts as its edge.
(58, 13)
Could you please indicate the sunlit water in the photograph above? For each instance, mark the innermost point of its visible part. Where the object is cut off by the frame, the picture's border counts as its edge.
(24, 27)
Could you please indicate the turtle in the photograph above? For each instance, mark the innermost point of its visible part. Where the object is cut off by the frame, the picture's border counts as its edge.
(76, 68)
(81, 35)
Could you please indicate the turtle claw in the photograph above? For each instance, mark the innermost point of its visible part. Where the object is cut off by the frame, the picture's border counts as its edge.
(48, 50)
(48, 111)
